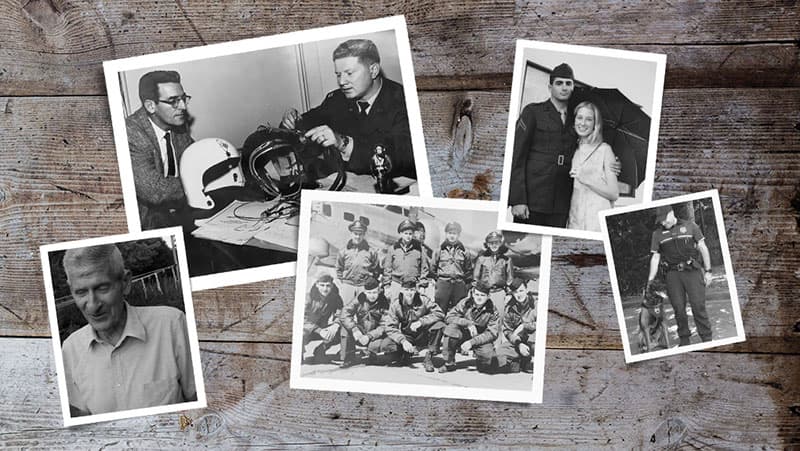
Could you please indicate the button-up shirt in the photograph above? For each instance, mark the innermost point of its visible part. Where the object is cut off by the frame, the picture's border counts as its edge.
(150, 366)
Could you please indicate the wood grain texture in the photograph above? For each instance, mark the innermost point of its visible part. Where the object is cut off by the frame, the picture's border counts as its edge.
(747, 148)
(53, 47)
(589, 403)
(730, 121)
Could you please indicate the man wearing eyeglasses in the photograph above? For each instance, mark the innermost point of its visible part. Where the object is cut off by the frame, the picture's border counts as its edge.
(158, 133)
(368, 110)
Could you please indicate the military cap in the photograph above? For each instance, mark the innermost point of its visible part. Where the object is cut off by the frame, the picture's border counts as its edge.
(516, 283)
(357, 225)
(452, 227)
(662, 212)
(371, 283)
(409, 284)
(406, 225)
(494, 236)
(419, 226)
(563, 70)
(482, 287)
(325, 278)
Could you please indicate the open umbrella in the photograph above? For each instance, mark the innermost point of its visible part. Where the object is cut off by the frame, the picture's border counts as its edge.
(626, 128)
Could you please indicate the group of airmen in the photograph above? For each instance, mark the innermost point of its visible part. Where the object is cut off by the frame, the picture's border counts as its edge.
(382, 303)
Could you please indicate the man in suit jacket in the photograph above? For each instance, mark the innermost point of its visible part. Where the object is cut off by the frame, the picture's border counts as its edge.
(158, 133)
(368, 110)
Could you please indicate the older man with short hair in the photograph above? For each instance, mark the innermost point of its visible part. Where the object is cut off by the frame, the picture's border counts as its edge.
(126, 357)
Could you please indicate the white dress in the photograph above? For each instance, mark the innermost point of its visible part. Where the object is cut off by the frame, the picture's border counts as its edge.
(585, 203)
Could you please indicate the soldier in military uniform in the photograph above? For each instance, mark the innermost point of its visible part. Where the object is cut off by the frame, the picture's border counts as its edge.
(413, 321)
(515, 351)
(361, 322)
(368, 110)
(452, 268)
(405, 261)
(676, 246)
(472, 324)
(323, 305)
(544, 143)
(356, 262)
(493, 268)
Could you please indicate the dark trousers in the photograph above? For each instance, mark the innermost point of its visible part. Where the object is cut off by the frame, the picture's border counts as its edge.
(544, 219)
(507, 352)
(424, 337)
(349, 345)
(683, 284)
(454, 336)
(449, 292)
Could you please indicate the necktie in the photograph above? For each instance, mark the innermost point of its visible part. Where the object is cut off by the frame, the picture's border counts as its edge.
(171, 169)
(563, 117)
(362, 107)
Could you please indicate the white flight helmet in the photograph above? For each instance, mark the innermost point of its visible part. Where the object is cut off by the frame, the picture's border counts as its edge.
(206, 166)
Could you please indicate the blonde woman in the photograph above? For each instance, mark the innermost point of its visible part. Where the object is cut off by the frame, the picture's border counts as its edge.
(595, 186)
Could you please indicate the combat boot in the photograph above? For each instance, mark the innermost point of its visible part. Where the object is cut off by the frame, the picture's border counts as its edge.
(428, 362)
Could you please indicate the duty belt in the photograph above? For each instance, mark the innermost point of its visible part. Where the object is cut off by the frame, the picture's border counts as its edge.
(558, 159)
(687, 265)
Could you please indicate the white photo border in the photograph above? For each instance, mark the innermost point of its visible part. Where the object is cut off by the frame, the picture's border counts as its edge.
(194, 345)
(297, 381)
(726, 258)
(513, 113)
(113, 68)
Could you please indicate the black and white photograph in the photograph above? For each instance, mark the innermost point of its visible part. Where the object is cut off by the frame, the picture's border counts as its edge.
(123, 326)
(221, 139)
(420, 297)
(582, 136)
(672, 277)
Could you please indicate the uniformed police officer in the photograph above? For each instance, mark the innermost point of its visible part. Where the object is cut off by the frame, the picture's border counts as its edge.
(544, 143)
(356, 262)
(452, 268)
(368, 110)
(679, 242)
(405, 261)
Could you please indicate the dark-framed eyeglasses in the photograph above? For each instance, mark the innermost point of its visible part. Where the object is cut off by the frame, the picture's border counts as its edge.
(175, 101)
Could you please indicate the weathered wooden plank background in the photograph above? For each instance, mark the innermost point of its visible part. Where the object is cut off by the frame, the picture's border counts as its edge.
(731, 121)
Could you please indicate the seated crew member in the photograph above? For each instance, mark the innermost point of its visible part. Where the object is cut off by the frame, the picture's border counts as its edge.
(518, 328)
(323, 306)
(472, 324)
(126, 357)
(413, 321)
(361, 322)
(452, 268)
(494, 269)
(405, 261)
(158, 133)
(368, 110)
(356, 263)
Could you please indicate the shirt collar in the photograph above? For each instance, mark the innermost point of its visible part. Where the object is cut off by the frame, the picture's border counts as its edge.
(133, 328)
(371, 99)
(157, 130)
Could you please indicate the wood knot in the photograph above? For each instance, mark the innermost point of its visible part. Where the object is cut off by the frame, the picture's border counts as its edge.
(462, 131)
